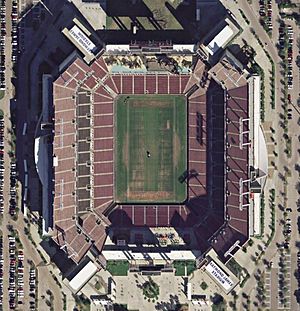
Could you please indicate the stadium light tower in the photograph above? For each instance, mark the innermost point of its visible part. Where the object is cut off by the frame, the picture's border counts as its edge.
(45, 6)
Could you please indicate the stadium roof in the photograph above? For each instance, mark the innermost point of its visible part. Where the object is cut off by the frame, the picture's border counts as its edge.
(156, 256)
(220, 39)
(83, 276)
(79, 36)
(82, 39)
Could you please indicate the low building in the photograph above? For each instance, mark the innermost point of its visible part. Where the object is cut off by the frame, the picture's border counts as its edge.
(219, 273)
(80, 36)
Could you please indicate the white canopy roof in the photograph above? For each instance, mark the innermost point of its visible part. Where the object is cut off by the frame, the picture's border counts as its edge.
(83, 276)
(219, 40)
(129, 255)
(82, 39)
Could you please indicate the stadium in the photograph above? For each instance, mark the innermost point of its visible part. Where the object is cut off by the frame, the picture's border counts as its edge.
(149, 152)
(106, 126)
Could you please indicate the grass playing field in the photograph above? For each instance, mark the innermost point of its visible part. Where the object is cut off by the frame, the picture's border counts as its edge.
(151, 148)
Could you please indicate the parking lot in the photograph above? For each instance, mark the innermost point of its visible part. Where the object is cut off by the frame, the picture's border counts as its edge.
(22, 276)
(1, 163)
(12, 272)
(1, 272)
(13, 192)
(265, 12)
(14, 30)
(2, 43)
(286, 41)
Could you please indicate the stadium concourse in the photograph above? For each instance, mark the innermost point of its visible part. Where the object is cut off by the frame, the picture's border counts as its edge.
(216, 210)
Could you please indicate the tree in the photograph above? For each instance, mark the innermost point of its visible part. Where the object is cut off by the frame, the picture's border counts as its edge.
(298, 61)
(150, 289)
(219, 304)
(49, 292)
(203, 285)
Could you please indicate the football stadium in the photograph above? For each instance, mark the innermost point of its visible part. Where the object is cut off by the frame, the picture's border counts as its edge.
(150, 150)
(154, 153)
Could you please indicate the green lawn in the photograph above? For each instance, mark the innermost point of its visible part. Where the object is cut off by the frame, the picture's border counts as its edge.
(2, 93)
(154, 124)
(118, 267)
(179, 265)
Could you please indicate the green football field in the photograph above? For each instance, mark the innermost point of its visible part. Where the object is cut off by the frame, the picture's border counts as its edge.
(150, 148)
